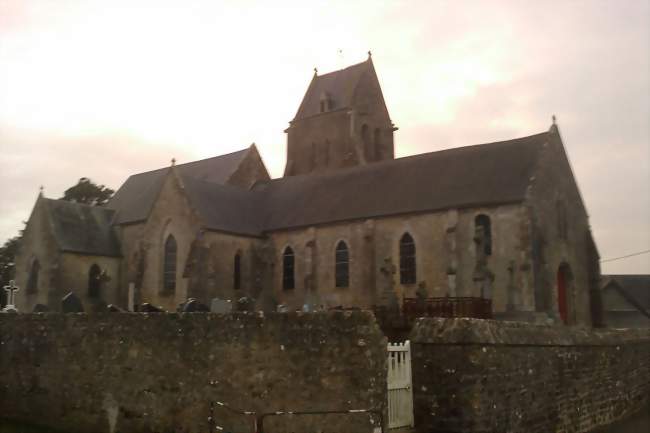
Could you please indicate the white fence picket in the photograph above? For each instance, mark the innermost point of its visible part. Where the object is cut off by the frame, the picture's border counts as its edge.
(400, 391)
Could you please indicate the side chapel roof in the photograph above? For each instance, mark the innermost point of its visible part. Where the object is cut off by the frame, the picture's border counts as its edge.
(83, 229)
(137, 195)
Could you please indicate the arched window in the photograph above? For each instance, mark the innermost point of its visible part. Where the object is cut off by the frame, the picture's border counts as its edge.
(237, 272)
(377, 143)
(483, 233)
(368, 150)
(288, 269)
(342, 266)
(407, 274)
(94, 282)
(564, 292)
(561, 220)
(169, 266)
(32, 279)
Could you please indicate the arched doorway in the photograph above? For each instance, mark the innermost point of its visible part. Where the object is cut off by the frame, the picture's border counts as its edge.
(564, 281)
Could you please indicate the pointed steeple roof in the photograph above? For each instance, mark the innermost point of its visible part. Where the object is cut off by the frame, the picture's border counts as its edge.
(339, 86)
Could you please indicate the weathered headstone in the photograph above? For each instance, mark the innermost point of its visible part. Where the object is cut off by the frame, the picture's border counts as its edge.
(112, 308)
(40, 308)
(148, 308)
(221, 306)
(71, 304)
(131, 297)
(194, 306)
(387, 295)
(245, 304)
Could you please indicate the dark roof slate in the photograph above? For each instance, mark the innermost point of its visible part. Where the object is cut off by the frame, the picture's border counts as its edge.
(487, 174)
(223, 207)
(83, 229)
(136, 196)
(635, 288)
(481, 175)
(338, 85)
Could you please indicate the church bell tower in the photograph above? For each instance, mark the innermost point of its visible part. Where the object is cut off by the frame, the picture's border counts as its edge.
(342, 122)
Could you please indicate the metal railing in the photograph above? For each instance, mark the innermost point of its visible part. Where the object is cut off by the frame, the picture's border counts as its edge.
(259, 417)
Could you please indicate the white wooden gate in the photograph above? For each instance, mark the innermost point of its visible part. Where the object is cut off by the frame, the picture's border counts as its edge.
(400, 391)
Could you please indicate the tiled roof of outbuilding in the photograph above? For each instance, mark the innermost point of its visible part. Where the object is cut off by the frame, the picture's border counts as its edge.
(634, 288)
(82, 229)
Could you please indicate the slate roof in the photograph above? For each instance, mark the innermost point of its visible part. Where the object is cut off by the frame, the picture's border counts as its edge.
(137, 195)
(223, 207)
(480, 175)
(339, 86)
(634, 288)
(83, 229)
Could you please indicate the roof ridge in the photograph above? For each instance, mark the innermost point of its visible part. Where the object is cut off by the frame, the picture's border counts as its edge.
(398, 160)
(191, 162)
(343, 69)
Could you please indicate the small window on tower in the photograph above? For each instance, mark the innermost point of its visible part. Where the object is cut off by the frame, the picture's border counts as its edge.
(325, 102)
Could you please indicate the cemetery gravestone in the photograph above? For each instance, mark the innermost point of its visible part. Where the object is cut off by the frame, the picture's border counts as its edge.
(194, 306)
(220, 306)
(71, 304)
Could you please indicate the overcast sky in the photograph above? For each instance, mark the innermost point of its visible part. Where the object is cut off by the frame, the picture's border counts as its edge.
(105, 89)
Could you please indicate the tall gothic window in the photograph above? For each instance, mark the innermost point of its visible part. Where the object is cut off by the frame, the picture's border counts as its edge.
(377, 143)
(483, 233)
(32, 279)
(407, 272)
(561, 220)
(367, 144)
(237, 272)
(288, 269)
(342, 266)
(94, 275)
(169, 266)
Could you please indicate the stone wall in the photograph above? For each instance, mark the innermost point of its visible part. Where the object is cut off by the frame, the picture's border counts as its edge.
(561, 236)
(131, 372)
(488, 376)
(444, 246)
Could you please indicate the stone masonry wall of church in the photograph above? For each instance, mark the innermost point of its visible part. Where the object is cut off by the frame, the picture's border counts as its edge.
(143, 373)
(555, 186)
(208, 278)
(443, 240)
(38, 243)
(74, 272)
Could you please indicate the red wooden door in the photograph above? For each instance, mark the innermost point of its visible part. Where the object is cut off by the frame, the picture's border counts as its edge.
(561, 294)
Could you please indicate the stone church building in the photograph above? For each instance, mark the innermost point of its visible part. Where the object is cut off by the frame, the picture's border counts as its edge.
(348, 225)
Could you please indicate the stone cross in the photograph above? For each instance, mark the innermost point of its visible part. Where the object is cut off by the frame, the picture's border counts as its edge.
(11, 289)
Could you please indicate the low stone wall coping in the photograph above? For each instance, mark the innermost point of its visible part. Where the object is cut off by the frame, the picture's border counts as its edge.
(493, 332)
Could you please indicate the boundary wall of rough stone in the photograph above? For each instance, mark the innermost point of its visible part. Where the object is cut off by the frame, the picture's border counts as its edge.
(474, 375)
(130, 372)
